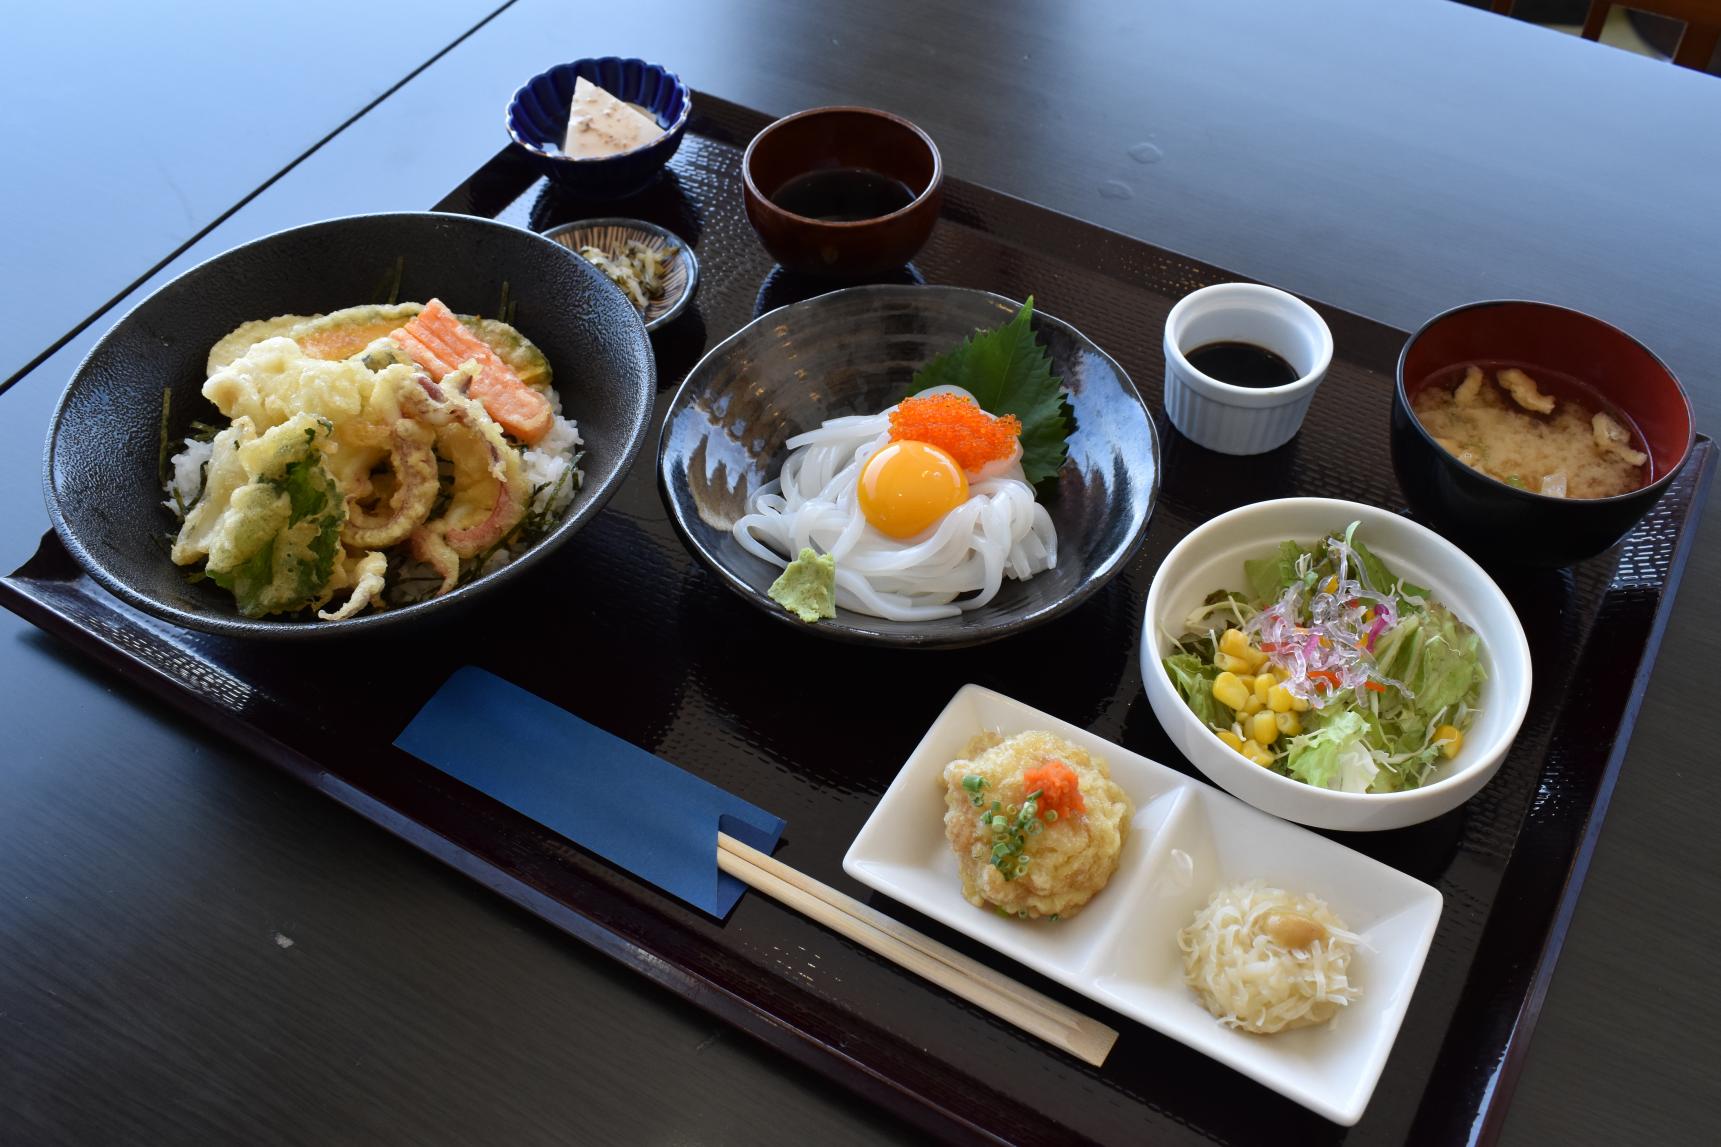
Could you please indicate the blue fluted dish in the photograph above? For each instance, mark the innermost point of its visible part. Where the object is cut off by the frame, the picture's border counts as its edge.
(538, 122)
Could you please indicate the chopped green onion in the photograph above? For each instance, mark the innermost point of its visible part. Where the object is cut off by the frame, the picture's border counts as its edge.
(1051, 815)
(973, 782)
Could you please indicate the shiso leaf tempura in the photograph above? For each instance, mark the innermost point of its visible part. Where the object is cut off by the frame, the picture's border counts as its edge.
(1331, 670)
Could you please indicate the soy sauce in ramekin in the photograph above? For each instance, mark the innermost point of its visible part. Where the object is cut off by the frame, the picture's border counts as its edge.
(1242, 364)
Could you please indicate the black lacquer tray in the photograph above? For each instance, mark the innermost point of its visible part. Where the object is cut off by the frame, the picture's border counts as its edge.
(623, 627)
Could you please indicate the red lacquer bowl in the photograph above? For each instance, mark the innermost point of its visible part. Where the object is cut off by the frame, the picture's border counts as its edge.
(1491, 519)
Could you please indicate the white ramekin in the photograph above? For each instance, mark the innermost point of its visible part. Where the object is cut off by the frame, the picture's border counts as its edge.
(1240, 419)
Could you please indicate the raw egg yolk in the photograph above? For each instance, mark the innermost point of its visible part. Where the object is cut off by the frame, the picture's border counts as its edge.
(907, 486)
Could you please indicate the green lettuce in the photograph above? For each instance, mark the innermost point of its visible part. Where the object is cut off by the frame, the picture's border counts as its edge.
(1379, 577)
(1269, 577)
(1194, 676)
(1333, 756)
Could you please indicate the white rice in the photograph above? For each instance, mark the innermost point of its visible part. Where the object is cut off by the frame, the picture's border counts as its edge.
(187, 477)
(546, 462)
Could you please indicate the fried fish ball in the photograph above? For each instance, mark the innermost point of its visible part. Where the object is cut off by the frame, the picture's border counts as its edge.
(1045, 857)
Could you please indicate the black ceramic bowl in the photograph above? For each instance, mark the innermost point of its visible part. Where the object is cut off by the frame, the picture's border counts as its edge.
(855, 351)
(100, 470)
(1501, 523)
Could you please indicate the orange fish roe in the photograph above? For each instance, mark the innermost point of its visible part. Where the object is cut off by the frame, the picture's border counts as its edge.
(1059, 789)
(956, 425)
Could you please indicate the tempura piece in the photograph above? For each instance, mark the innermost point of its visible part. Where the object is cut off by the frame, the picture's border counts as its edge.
(1523, 391)
(1613, 439)
(1467, 390)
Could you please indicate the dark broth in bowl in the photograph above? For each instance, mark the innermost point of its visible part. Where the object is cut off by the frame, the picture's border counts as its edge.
(1539, 430)
(843, 195)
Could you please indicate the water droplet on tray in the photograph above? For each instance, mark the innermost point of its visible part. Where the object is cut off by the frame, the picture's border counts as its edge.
(1116, 189)
(1146, 153)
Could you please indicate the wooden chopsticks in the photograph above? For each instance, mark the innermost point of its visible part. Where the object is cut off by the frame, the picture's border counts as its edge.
(1086, 1039)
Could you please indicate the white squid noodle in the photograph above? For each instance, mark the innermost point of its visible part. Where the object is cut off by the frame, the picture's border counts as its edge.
(957, 565)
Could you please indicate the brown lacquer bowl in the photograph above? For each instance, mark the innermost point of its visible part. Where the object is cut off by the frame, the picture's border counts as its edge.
(830, 138)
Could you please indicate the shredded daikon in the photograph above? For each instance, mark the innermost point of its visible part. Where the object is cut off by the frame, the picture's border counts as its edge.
(1251, 981)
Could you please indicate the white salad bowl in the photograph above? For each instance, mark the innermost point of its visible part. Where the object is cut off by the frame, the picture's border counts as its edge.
(1211, 558)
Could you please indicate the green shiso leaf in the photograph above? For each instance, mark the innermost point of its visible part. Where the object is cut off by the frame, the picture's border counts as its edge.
(1009, 372)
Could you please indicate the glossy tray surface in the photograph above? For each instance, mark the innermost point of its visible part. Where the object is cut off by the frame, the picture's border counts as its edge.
(654, 649)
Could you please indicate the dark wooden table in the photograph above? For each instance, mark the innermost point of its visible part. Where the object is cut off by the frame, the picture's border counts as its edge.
(194, 948)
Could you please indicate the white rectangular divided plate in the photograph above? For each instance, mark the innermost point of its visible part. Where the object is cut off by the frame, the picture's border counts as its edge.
(1187, 841)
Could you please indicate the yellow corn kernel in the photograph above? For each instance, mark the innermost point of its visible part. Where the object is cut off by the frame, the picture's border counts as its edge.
(1251, 705)
(1256, 659)
(1261, 684)
(1257, 754)
(1289, 723)
(1333, 584)
(1231, 739)
(1264, 728)
(1450, 740)
(1278, 698)
(1228, 689)
(1299, 704)
(1233, 642)
(1229, 664)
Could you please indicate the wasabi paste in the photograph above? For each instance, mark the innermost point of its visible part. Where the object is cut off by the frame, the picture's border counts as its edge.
(808, 588)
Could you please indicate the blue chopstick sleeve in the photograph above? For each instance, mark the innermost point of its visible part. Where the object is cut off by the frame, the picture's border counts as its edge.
(635, 810)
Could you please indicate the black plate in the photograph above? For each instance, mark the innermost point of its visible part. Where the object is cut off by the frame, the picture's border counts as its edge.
(855, 351)
(100, 470)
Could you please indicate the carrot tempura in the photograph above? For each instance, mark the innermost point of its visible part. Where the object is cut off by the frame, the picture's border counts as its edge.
(439, 342)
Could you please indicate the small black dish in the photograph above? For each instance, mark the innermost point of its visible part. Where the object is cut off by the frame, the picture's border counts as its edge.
(100, 470)
(855, 351)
